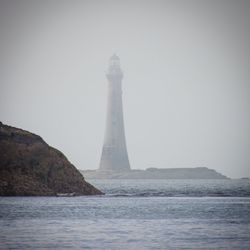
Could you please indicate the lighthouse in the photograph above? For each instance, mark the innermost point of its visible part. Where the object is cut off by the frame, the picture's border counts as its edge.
(114, 156)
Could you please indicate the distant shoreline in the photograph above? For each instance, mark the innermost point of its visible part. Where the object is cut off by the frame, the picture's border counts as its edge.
(156, 173)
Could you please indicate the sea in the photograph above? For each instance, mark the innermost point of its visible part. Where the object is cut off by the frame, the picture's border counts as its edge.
(133, 214)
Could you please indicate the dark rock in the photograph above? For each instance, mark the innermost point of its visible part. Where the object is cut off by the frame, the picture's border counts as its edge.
(29, 166)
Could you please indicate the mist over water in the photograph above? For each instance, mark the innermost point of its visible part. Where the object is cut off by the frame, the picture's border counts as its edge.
(186, 93)
(186, 103)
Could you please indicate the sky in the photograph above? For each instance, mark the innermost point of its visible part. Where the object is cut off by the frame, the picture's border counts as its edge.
(186, 86)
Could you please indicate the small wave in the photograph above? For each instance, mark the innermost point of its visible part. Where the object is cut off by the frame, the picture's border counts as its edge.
(174, 188)
(180, 194)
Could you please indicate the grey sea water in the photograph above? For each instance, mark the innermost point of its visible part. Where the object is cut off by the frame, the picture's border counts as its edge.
(134, 214)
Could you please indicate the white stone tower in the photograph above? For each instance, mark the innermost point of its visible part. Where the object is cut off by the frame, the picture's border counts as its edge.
(114, 152)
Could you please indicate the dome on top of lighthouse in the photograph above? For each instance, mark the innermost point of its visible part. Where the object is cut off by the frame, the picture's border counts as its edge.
(114, 69)
(114, 57)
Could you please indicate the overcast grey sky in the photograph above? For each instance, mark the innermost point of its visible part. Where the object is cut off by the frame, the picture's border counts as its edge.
(186, 86)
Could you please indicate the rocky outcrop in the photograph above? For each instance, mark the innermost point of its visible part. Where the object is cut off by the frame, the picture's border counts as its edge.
(29, 166)
(156, 173)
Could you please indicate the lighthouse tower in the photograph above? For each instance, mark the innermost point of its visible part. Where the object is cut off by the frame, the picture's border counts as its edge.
(114, 152)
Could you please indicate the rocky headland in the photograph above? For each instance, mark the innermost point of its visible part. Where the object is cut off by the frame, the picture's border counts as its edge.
(30, 167)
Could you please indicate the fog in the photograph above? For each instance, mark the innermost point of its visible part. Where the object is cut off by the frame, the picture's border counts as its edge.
(186, 86)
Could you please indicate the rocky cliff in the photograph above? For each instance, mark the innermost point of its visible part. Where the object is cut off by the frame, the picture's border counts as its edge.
(29, 166)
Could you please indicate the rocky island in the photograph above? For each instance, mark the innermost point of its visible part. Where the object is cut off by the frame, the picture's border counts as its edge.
(156, 173)
(29, 166)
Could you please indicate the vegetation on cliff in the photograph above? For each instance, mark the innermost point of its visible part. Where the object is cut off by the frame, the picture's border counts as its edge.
(29, 166)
